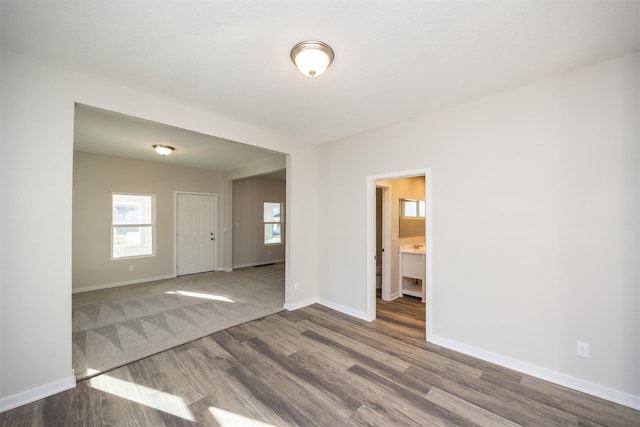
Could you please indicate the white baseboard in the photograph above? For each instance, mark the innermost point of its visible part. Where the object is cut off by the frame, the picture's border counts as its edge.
(125, 283)
(545, 374)
(37, 393)
(300, 304)
(578, 384)
(337, 307)
(346, 310)
(257, 264)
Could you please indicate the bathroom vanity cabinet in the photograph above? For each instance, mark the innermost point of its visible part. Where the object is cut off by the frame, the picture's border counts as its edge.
(412, 271)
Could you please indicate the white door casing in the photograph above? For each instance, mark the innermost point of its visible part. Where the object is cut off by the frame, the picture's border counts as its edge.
(371, 246)
(386, 245)
(196, 233)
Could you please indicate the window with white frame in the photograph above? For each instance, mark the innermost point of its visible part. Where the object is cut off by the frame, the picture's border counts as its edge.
(413, 208)
(272, 223)
(132, 225)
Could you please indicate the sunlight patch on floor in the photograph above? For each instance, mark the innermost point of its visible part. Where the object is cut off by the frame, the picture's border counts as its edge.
(200, 295)
(150, 397)
(229, 419)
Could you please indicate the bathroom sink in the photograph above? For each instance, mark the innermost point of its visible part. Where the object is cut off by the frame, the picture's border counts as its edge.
(412, 250)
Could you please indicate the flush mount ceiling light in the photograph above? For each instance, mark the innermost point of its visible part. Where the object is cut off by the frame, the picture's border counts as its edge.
(163, 150)
(312, 57)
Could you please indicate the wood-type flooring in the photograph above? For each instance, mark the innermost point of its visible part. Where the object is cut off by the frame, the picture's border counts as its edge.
(318, 367)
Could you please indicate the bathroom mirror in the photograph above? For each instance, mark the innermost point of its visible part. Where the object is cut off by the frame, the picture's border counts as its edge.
(412, 218)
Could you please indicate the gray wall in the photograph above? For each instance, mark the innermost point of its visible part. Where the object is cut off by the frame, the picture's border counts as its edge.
(249, 194)
(94, 178)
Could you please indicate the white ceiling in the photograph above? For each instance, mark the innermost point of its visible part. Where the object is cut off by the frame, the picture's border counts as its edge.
(105, 132)
(394, 59)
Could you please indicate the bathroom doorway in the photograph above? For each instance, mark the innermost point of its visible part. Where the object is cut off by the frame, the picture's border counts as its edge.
(386, 195)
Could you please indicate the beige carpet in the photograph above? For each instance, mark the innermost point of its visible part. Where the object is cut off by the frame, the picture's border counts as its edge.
(113, 327)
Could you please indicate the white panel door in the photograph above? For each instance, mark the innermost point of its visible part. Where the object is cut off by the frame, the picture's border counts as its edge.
(196, 250)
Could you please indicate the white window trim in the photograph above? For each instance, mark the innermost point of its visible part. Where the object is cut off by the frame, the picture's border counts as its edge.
(281, 223)
(417, 215)
(152, 225)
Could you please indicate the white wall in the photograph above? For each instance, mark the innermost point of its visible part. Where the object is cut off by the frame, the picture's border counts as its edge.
(535, 199)
(302, 230)
(36, 154)
(536, 239)
(95, 177)
(35, 275)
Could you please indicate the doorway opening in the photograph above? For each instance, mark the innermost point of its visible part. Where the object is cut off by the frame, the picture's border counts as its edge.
(387, 196)
(113, 155)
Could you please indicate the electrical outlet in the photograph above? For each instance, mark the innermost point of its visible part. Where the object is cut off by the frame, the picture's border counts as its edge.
(131, 268)
(296, 286)
(582, 349)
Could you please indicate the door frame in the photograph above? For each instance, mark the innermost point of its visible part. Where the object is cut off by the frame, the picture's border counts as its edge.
(175, 228)
(371, 244)
(386, 241)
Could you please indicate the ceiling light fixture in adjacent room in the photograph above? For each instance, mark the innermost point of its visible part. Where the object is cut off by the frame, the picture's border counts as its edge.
(312, 57)
(163, 150)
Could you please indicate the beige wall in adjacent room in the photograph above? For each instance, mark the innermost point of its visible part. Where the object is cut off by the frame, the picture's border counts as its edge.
(95, 177)
(249, 194)
(267, 166)
(401, 188)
